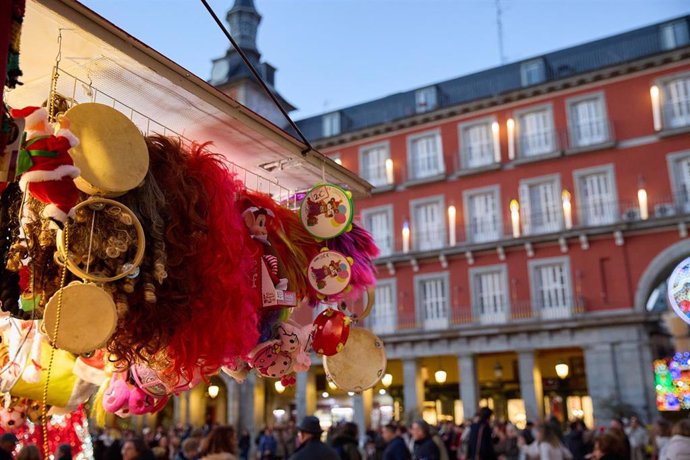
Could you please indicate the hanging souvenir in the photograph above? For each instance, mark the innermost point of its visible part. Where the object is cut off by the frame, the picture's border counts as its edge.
(679, 290)
(330, 273)
(13, 416)
(348, 370)
(359, 245)
(327, 211)
(330, 333)
(112, 154)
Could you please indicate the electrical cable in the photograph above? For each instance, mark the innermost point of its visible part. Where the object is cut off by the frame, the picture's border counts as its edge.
(258, 78)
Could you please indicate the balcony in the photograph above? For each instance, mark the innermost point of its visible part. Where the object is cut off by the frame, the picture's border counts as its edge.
(537, 146)
(585, 137)
(676, 117)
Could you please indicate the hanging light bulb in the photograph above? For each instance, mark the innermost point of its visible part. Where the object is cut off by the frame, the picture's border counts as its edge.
(332, 385)
(213, 391)
(280, 388)
(562, 370)
(387, 380)
(440, 376)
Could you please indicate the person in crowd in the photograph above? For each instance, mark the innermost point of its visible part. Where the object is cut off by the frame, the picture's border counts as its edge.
(617, 428)
(8, 444)
(395, 449)
(135, 449)
(443, 452)
(63, 452)
(345, 442)
(609, 446)
(424, 446)
(661, 436)
(511, 449)
(480, 445)
(268, 445)
(290, 438)
(638, 437)
(245, 444)
(547, 445)
(310, 445)
(577, 440)
(220, 444)
(189, 450)
(29, 452)
(678, 448)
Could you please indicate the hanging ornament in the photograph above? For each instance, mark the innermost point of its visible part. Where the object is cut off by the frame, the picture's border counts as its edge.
(327, 211)
(330, 333)
(330, 273)
(348, 370)
(679, 290)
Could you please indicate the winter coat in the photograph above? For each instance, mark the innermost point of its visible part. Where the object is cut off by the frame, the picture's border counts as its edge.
(314, 449)
(426, 449)
(396, 450)
(480, 445)
(346, 447)
(678, 448)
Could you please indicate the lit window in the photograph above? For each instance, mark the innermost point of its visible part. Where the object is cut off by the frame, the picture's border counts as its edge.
(331, 124)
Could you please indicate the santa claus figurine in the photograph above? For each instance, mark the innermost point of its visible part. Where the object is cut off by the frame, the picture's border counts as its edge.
(45, 165)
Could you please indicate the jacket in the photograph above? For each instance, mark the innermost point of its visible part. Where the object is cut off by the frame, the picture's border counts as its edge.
(396, 450)
(480, 446)
(346, 447)
(314, 449)
(426, 449)
(678, 448)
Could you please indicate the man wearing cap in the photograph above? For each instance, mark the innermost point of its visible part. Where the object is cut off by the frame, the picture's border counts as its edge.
(8, 442)
(310, 445)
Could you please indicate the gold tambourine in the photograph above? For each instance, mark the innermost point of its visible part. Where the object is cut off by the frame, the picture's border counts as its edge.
(97, 203)
(360, 364)
(112, 154)
(87, 318)
(367, 308)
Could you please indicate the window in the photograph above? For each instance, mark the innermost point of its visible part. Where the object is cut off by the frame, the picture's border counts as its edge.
(540, 204)
(676, 106)
(587, 121)
(536, 133)
(426, 99)
(482, 214)
(596, 195)
(336, 157)
(432, 300)
(679, 169)
(331, 124)
(674, 34)
(425, 155)
(372, 160)
(477, 144)
(379, 222)
(550, 284)
(533, 72)
(428, 224)
(384, 314)
(490, 293)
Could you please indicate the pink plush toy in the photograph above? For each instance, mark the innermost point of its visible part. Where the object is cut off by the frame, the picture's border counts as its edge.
(270, 360)
(295, 340)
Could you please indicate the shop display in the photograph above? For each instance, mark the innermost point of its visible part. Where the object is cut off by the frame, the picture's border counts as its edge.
(348, 370)
(679, 290)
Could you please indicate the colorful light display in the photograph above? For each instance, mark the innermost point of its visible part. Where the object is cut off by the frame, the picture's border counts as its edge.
(672, 381)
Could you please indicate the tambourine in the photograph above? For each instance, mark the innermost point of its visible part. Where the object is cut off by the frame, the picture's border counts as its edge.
(342, 306)
(327, 211)
(360, 364)
(331, 330)
(329, 272)
(97, 204)
(87, 318)
(112, 154)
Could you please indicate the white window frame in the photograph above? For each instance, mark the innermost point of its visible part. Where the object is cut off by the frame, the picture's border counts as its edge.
(550, 131)
(385, 323)
(465, 144)
(575, 131)
(527, 66)
(433, 241)
(528, 226)
(501, 313)
(426, 99)
(668, 34)
(564, 310)
(413, 173)
(439, 322)
(584, 213)
(482, 236)
(364, 170)
(331, 124)
(680, 189)
(387, 209)
(668, 122)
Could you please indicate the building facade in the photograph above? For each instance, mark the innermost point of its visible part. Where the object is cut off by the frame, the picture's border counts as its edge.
(527, 217)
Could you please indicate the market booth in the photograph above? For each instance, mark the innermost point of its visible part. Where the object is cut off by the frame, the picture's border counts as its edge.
(138, 262)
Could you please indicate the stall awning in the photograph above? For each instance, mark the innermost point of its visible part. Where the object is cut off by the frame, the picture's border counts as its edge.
(102, 63)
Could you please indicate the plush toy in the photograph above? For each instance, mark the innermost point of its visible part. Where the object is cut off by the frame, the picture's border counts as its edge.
(296, 341)
(13, 416)
(270, 360)
(45, 165)
(257, 221)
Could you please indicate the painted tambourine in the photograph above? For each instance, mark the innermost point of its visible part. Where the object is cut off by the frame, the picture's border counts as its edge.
(679, 290)
(112, 154)
(360, 364)
(327, 211)
(329, 272)
(331, 330)
(98, 204)
(87, 318)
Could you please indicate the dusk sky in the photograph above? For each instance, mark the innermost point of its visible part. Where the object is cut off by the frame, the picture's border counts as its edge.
(335, 53)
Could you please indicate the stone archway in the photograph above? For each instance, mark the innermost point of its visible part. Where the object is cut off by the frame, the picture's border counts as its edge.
(659, 268)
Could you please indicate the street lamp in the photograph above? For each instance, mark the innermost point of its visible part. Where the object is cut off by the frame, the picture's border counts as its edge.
(332, 385)
(280, 388)
(213, 391)
(387, 380)
(562, 370)
(440, 376)
(498, 371)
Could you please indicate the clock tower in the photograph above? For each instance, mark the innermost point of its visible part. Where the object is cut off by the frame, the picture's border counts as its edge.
(232, 76)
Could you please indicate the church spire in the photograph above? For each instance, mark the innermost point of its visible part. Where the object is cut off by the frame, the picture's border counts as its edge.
(244, 20)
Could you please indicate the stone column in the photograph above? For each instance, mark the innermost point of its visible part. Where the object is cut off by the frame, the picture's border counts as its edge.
(305, 394)
(246, 417)
(232, 399)
(413, 388)
(362, 404)
(469, 385)
(635, 377)
(188, 407)
(602, 383)
(531, 387)
(177, 412)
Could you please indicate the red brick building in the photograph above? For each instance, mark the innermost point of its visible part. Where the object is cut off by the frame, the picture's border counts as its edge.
(525, 215)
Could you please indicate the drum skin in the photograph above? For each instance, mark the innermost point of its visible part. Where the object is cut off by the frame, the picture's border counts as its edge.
(361, 363)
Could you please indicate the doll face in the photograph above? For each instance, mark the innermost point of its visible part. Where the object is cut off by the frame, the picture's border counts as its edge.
(271, 361)
(257, 223)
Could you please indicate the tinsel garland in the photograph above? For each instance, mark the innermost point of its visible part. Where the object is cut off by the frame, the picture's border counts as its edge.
(13, 70)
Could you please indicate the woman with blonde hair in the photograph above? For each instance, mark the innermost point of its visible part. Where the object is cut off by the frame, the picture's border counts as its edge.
(220, 444)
